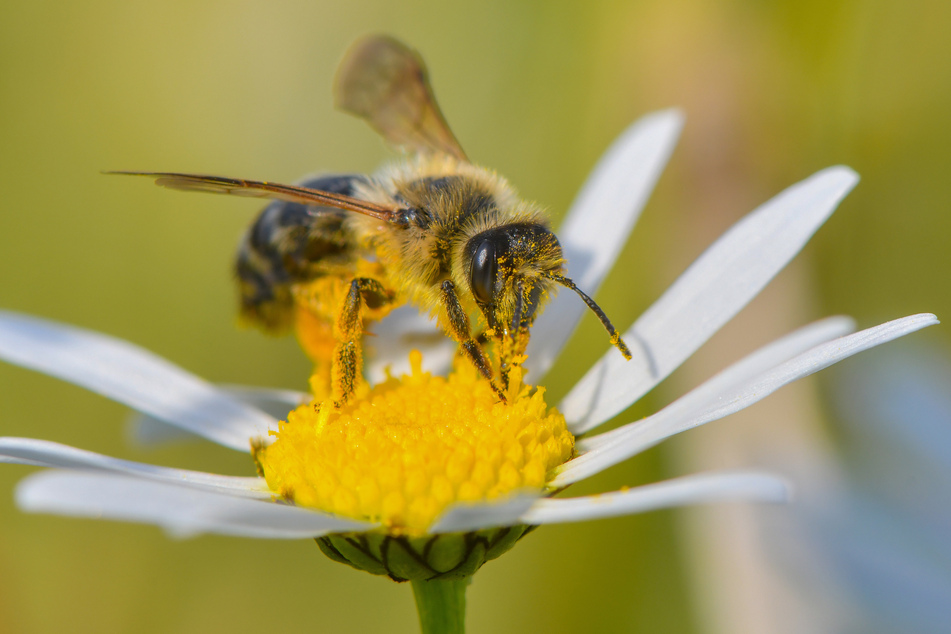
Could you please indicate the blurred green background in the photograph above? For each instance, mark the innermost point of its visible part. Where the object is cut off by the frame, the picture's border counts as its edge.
(772, 92)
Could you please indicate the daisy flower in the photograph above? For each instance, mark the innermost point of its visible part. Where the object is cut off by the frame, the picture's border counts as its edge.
(426, 477)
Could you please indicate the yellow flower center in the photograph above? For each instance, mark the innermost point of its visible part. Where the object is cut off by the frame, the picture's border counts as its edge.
(410, 447)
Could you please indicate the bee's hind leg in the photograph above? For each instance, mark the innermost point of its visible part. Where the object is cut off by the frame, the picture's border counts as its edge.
(348, 354)
(459, 323)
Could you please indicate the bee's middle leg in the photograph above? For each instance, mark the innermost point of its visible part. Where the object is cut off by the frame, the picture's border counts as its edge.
(347, 365)
(459, 324)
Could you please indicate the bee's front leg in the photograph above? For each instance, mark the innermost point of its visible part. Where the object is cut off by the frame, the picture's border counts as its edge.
(347, 365)
(514, 341)
(459, 324)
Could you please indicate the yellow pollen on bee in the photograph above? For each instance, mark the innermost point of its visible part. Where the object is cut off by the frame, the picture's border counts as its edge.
(317, 306)
(414, 445)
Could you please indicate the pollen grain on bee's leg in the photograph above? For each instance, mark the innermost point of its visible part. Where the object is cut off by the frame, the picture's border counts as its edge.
(329, 312)
(511, 357)
(347, 354)
(346, 371)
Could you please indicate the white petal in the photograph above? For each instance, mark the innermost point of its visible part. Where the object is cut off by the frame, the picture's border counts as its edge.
(181, 511)
(403, 330)
(146, 430)
(273, 401)
(732, 390)
(818, 358)
(713, 289)
(472, 517)
(133, 376)
(610, 448)
(5, 460)
(702, 488)
(50, 454)
(747, 369)
(598, 224)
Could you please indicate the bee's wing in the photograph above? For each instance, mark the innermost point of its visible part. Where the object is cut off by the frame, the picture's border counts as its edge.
(385, 82)
(264, 189)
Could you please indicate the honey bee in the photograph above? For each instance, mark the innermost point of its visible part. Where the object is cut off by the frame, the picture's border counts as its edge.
(437, 231)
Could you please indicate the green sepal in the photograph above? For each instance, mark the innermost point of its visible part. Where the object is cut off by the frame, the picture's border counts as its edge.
(446, 556)
(356, 552)
(504, 539)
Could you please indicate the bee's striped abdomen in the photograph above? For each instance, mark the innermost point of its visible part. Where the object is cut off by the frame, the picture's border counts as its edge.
(290, 243)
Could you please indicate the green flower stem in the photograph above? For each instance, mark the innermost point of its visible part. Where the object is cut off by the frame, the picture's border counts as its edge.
(441, 605)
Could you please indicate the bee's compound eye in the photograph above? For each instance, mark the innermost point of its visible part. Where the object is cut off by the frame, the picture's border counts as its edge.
(484, 272)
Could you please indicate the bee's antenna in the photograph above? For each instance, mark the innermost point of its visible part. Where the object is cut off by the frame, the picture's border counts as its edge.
(615, 337)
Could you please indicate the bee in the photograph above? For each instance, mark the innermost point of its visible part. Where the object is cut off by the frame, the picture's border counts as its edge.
(432, 229)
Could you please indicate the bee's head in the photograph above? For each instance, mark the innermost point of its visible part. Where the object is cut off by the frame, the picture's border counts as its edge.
(509, 272)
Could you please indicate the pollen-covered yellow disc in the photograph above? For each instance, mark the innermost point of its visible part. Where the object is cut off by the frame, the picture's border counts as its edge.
(401, 454)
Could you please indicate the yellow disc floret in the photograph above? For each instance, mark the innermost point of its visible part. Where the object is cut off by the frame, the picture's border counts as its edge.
(404, 452)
